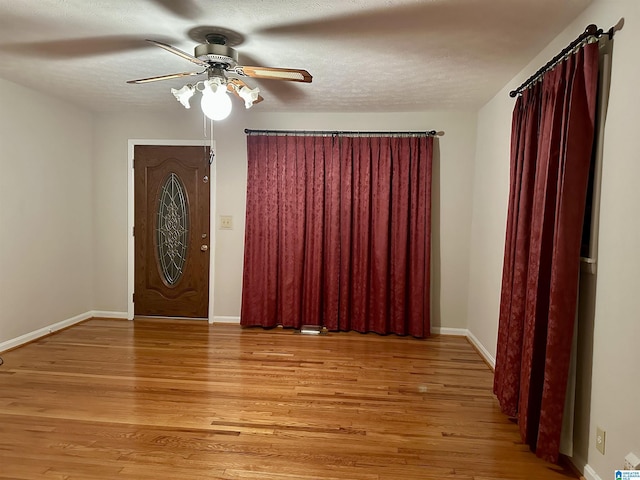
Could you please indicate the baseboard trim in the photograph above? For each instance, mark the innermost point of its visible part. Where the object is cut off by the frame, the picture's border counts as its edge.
(482, 350)
(457, 332)
(471, 338)
(590, 473)
(106, 314)
(235, 320)
(577, 463)
(44, 331)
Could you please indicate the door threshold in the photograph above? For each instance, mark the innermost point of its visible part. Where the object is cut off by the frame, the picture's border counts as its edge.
(160, 317)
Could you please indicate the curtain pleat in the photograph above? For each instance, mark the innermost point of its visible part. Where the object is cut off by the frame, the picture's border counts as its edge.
(551, 144)
(420, 239)
(381, 256)
(338, 233)
(313, 230)
(332, 234)
(399, 238)
(346, 214)
(261, 237)
(361, 235)
(524, 150)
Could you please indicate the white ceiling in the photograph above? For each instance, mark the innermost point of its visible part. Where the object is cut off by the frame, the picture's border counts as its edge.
(364, 55)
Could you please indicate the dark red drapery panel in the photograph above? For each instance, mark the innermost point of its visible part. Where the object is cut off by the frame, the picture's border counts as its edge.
(551, 144)
(338, 233)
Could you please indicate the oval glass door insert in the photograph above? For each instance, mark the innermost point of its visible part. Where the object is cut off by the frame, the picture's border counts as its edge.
(173, 229)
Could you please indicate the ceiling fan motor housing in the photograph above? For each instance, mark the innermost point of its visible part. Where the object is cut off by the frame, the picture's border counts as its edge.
(216, 53)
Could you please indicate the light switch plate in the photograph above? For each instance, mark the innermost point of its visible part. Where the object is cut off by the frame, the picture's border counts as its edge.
(600, 439)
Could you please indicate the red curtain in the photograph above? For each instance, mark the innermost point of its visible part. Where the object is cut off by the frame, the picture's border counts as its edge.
(551, 145)
(338, 233)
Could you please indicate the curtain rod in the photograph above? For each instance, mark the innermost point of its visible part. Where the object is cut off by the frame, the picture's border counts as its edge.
(249, 131)
(591, 31)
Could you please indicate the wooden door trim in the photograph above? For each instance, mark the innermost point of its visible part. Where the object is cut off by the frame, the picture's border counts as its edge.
(131, 213)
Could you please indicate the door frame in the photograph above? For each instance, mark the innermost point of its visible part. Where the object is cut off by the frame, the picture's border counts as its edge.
(131, 212)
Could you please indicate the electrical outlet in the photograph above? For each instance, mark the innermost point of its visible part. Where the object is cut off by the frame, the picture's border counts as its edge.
(600, 439)
(631, 462)
(226, 222)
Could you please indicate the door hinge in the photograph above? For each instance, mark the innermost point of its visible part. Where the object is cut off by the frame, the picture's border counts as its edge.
(133, 163)
(133, 298)
(133, 231)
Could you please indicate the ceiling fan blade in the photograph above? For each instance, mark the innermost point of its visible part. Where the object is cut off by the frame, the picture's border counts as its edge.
(286, 92)
(185, 9)
(165, 77)
(77, 47)
(290, 74)
(239, 84)
(374, 21)
(179, 52)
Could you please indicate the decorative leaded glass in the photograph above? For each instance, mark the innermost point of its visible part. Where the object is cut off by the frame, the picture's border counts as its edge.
(173, 229)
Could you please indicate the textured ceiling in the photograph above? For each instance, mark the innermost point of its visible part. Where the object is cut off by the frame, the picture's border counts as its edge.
(364, 55)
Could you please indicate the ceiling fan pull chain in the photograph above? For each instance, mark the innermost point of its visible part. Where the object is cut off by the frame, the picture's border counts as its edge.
(211, 152)
(204, 125)
(204, 134)
(211, 142)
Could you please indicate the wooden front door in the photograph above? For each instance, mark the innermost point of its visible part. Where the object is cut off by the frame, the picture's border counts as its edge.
(171, 231)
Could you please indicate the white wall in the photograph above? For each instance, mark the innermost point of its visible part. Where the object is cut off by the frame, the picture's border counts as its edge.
(615, 388)
(63, 240)
(452, 190)
(45, 211)
(111, 136)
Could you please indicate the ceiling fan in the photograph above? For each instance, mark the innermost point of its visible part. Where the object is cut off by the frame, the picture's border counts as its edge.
(219, 61)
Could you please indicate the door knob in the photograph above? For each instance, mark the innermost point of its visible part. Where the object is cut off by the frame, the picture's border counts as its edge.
(204, 248)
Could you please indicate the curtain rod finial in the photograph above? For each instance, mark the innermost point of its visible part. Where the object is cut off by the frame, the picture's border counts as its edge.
(618, 26)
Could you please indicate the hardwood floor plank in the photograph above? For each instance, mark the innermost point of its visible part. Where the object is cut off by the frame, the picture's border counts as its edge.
(111, 399)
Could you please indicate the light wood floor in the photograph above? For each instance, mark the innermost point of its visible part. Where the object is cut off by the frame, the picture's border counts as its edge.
(110, 399)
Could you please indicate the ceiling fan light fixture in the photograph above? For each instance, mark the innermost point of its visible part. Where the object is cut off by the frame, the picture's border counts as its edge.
(184, 94)
(215, 102)
(249, 95)
(219, 59)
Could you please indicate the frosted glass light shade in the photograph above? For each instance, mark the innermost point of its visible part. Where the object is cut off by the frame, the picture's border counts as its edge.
(249, 95)
(216, 106)
(184, 94)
